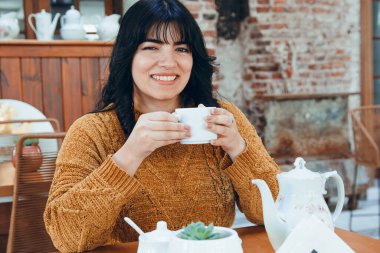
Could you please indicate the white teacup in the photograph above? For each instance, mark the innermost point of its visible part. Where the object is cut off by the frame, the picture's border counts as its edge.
(195, 118)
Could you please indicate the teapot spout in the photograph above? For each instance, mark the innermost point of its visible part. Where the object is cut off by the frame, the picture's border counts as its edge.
(54, 23)
(276, 228)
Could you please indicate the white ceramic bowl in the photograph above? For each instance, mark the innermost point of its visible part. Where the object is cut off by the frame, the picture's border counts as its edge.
(229, 244)
(73, 34)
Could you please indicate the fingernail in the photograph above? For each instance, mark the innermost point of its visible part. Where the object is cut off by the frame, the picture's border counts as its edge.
(188, 134)
(187, 127)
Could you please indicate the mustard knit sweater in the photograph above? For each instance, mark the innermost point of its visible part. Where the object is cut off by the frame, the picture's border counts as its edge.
(90, 195)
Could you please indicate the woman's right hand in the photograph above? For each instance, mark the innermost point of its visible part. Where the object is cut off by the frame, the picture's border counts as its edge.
(152, 130)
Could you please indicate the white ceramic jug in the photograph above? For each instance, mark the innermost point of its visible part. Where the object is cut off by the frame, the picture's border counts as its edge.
(109, 27)
(72, 25)
(9, 28)
(300, 196)
(45, 27)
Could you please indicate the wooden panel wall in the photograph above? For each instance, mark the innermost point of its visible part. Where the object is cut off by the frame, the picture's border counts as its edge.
(62, 79)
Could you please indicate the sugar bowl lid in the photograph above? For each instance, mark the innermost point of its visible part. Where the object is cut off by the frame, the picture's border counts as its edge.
(72, 13)
(161, 233)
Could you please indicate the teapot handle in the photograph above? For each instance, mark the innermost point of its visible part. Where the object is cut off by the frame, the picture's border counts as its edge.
(339, 183)
(31, 23)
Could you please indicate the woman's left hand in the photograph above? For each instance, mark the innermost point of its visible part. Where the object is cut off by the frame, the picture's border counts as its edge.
(223, 123)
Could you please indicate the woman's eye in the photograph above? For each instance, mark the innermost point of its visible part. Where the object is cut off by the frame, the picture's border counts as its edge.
(183, 50)
(149, 48)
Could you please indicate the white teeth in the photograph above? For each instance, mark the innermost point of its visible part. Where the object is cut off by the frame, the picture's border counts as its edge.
(164, 78)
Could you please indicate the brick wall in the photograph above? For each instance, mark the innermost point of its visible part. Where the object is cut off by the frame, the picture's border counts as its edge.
(285, 47)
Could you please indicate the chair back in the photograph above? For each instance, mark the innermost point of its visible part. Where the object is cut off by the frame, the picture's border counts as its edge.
(8, 140)
(34, 174)
(366, 127)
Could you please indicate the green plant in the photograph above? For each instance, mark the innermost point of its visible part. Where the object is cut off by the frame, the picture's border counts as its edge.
(198, 231)
(31, 142)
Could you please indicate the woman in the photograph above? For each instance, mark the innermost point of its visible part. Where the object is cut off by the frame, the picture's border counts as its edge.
(126, 160)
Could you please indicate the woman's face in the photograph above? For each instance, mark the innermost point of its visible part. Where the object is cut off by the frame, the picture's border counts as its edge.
(161, 70)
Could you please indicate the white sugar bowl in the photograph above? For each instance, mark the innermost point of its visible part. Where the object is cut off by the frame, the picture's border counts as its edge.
(229, 244)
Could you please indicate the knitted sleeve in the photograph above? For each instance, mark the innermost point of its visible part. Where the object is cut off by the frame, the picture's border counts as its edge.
(253, 163)
(88, 189)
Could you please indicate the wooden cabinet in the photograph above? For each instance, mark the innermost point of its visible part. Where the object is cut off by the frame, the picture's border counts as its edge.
(60, 78)
(35, 6)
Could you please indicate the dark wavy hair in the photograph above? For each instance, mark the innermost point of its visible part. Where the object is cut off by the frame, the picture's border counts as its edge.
(159, 16)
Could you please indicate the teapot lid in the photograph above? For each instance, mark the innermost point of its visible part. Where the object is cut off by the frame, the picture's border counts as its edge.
(300, 171)
(72, 13)
(161, 233)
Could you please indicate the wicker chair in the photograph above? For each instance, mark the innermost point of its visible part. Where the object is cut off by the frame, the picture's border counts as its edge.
(34, 174)
(39, 125)
(366, 127)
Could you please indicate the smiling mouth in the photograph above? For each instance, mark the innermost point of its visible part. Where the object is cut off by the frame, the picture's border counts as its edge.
(164, 78)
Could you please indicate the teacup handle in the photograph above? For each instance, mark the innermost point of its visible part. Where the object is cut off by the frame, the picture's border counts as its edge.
(339, 183)
(31, 23)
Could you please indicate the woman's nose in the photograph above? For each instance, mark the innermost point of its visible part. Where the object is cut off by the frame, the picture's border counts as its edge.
(167, 60)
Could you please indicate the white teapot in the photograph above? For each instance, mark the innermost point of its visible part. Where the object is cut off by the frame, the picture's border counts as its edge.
(109, 27)
(300, 196)
(163, 240)
(45, 27)
(9, 27)
(72, 25)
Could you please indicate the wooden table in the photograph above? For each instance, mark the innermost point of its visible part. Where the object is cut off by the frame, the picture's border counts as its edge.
(255, 240)
(7, 175)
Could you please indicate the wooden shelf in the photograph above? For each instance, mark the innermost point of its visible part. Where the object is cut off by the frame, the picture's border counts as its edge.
(55, 48)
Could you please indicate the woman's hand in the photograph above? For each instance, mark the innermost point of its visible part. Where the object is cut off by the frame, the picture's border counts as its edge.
(222, 123)
(152, 130)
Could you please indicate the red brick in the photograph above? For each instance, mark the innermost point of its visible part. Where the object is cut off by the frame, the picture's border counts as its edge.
(211, 52)
(321, 10)
(256, 85)
(279, 9)
(280, 1)
(277, 75)
(247, 77)
(263, 1)
(195, 15)
(262, 76)
(262, 43)
(194, 7)
(279, 26)
(289, 71)
(262, 9)
(336, 74)
(264, 27)
(256, 35)
(313, 67)
(252, 20)
(209, 33)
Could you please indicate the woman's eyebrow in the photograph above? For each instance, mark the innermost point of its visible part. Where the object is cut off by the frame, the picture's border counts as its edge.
(161, 42)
